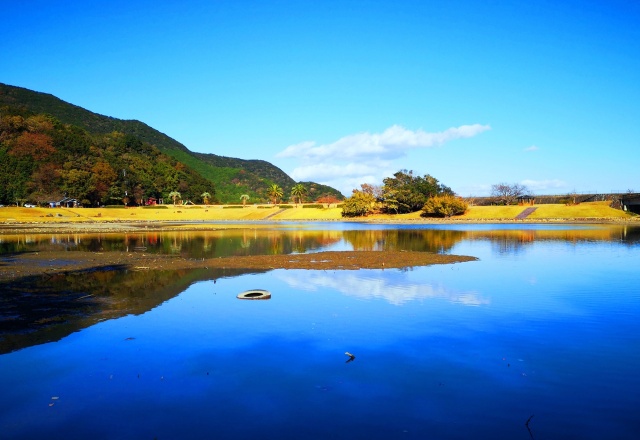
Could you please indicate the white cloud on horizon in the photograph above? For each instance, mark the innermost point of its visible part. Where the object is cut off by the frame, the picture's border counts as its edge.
(366, 157)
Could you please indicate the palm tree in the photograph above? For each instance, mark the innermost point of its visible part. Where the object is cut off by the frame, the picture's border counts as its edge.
(205, 197)
(174, 195)
(244, 198)
(275, 193)
(298, 191)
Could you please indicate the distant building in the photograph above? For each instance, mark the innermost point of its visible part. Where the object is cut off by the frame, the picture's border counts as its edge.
(66, 202)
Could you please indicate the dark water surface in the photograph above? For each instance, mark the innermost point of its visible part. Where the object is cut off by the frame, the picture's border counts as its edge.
(544, 328)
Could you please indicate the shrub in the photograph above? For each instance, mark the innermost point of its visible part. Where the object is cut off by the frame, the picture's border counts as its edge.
(315, 205)
(358, 205)
(444, 206)
(155, 207)
(233, 207)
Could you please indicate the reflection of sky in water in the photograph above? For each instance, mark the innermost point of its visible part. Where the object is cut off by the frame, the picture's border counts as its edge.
(392, 286)
(554, 332)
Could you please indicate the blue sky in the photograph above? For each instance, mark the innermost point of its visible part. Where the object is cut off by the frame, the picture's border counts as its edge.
(475, 93)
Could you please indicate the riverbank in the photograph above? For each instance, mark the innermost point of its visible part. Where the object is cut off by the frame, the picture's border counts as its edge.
(167, 217)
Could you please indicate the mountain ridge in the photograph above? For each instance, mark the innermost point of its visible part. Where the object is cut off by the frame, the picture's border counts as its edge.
(232, 177)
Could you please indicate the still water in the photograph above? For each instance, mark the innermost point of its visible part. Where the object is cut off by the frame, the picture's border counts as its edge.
(538, 339)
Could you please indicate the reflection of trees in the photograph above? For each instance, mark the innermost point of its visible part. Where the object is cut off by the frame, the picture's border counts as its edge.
(271, 242)
(422, 240)
(249, 241)
(506, 241)
(503, 240)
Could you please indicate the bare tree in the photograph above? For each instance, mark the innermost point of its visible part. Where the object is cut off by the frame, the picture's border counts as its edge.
(374, 190)
(508, 194)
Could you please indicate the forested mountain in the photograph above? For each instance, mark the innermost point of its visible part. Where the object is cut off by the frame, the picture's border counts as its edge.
(42, 160)
(231, 177)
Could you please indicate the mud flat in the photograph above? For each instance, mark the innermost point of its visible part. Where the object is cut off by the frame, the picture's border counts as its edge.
(52, 262)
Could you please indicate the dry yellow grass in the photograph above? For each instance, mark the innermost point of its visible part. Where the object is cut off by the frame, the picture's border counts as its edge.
(308, 214)
(583, 210)
(212, 214)
(492, 212)
(589, 210)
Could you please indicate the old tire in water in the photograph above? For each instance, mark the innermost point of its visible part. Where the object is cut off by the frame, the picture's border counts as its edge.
(255, 294)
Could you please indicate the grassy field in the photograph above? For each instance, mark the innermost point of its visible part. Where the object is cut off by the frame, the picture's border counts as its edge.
(591, 210)
(582, 212)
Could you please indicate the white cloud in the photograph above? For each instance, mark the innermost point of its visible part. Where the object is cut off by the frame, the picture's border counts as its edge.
(532, 148)
(391, 143)
(366, 157)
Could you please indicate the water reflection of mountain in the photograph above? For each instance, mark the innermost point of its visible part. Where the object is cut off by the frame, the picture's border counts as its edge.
(36, 310)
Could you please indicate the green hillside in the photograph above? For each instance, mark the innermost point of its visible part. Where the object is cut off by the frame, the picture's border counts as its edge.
(43, 160)
(231, 177)
(67, 113)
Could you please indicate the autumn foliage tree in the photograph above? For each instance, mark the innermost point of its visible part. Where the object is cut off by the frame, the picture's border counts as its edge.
(36, 145)
(328, 200)
(103, 176)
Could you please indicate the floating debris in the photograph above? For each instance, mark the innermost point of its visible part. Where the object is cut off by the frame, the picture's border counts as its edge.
(255, 294)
